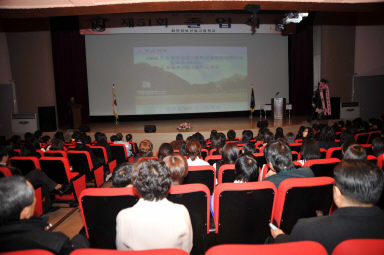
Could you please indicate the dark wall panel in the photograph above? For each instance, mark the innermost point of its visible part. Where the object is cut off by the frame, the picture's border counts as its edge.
(68, 50)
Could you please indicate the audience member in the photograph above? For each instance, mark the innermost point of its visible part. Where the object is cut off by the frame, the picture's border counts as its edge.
(279, 159)
(19, 230)
(378, 146)
(121, 176)
(355, 152)
(145, 149)
(119, 140)
(178, 167)
(290, 137)
(358, 187)
(327, 138)
(246, 169)
(309, 150)
(193, 149)
(102, 140)
(229, 155)
(231, 135)
(249, 148)
(218, 143)
(147, 224)
(279, 133)
(165, 149)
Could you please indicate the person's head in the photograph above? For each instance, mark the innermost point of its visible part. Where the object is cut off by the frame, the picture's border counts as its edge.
(200, 138)
(230, 153)
(113, 138)
(267, 136)
(128, 137)
(151, 179)
(279, 133)
(17, 199)
(59, 135)
(278, 156)
(217, 141)
(300, 132)
(28, 150)
(178, 167)
(45, 139)
(4, 153)
(355, 152)
(249, 148)
(310, 149)
(122, 175)
(165, 149)
(357, 182)
(176, 145)
(327, 134)
(290, 137)
(119, 136)
(213, 133)
(193, 149)
(308, 132)
(246, 169)
(179, 137)
(100, 137)
(57, 145)
(247, 136)
(146, 148)
(378, 146)
(231, 135)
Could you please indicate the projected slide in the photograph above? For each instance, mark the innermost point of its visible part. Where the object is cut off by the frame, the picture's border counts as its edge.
(197, 79)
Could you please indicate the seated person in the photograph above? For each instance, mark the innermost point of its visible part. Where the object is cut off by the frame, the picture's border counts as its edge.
(230, 154)
(218, 141)
(118, 139)
(355, 152)
(153, 222)
(290, 137)
(249, 148)
(247, 137)
(378, 146)
(358, 187)
(193, 149)
(279, 159)
(145, 149)
(19, 230)
(101, 140)
(81, 145)
(178, 166)
(327, 138)
(246, 169)
(309, 150)
(231, 135)
(29, 150)
(121, 176)
(165, 149)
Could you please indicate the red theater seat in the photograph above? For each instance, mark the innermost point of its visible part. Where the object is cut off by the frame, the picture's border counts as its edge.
(360, 246)
(116, 252)
(201, 174)
(226, 173)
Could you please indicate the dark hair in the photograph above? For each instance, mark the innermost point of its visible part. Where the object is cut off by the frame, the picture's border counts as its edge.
(113, 138)
(145, 148)
(247, 136)
(327, 134)
(122, 175)
(378, 146)
(279, 133)
(279, 155)
(100, 137)
(4, 150)
(57, 145)
(355, 152)
(178, 167)
(200, 138)
(179, 137)
(28, 150)
(193, 149)
(165, 149)
(267, 136)
(128, 137)
(249, 148)
(59, 135)
(119, 136)
(231, 135)
(290, 137)
(151, 179)
(15, 194)
(359, 180)
(246, 169)
(230, 153)
(218, 142)
(300, 132)
(310, 149)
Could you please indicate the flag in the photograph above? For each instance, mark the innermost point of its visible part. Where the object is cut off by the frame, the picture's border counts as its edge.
(252, 104)
(114, 103)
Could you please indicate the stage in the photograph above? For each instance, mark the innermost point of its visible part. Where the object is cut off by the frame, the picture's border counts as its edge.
(166, 129)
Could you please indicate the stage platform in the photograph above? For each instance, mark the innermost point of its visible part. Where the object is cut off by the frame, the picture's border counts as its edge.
(166, 129)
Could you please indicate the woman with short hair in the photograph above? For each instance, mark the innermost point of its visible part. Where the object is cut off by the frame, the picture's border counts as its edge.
(178, 167)
(193, 149)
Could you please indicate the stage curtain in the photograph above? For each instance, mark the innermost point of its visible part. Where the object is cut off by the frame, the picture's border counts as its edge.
(300, 46)
(69, 60)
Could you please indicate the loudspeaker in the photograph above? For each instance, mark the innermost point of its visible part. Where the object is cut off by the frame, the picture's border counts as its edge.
(149, 128)
(47, 118)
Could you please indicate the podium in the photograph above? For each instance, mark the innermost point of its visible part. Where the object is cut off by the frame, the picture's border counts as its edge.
(76, 115)
(278, 107)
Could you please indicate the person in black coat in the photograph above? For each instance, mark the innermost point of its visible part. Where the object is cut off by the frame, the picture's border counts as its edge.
(358, 187)
(19, 230)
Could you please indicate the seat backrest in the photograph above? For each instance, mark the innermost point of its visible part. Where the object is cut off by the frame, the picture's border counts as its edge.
(119, 152)
(361, 138)
(100, 152)
(55, 154)
(5, 171)
(212, 159)
(380, 160)
(91, 251)
(57, 168)
(295, 155)
(204, 153)
(323, 153)
(99, 209)
(291, 248)
(260, 158)
(335, 152)
(368, 148)
(28, 252)
(295, 146)
(201, 174)
(242, 211)
(80, 161)
(372, 159)
(25, 164)
(360, 246)
(196, 198)
(226, 174)
(322, 167)
(301, 198)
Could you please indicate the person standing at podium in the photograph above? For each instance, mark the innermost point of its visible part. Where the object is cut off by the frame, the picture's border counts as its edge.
(70, 103)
